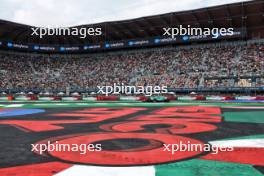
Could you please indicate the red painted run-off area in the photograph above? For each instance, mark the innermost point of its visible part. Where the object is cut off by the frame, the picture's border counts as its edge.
(180, 120)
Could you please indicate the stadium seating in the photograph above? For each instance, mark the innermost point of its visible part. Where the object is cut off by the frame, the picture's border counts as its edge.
(211, 66)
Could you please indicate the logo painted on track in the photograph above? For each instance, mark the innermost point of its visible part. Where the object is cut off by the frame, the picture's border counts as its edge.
(180, 120)
(181, 123)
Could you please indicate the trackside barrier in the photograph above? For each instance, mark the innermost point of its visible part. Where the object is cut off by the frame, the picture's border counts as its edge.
(71, 98)
(171, 98)
(129, 98)
(215, 98)
(191, 98)
(10, 98)
(260, 98)
(50, 98)
(220, 98)
(89, 98)
(33, 97)
(57, 98)
(186, 98)
(229, 98)
(46, 98)
(246, 98)
(200, 97)
(24, 98)
(142, 98)
(6, 98)
(107, 98)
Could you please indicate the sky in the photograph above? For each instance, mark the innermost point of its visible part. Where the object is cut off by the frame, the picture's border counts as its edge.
(66, 13)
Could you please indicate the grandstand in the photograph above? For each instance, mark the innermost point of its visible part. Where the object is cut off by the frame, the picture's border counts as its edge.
(207, 67)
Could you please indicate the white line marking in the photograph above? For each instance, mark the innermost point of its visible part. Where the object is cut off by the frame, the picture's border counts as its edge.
(79, 170)
(14, 105)
(249, 143)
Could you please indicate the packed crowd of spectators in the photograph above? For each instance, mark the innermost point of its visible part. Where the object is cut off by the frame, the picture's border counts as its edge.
(211, 66)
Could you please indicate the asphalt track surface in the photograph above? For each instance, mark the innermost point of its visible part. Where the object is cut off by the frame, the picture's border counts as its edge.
(132, 134)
